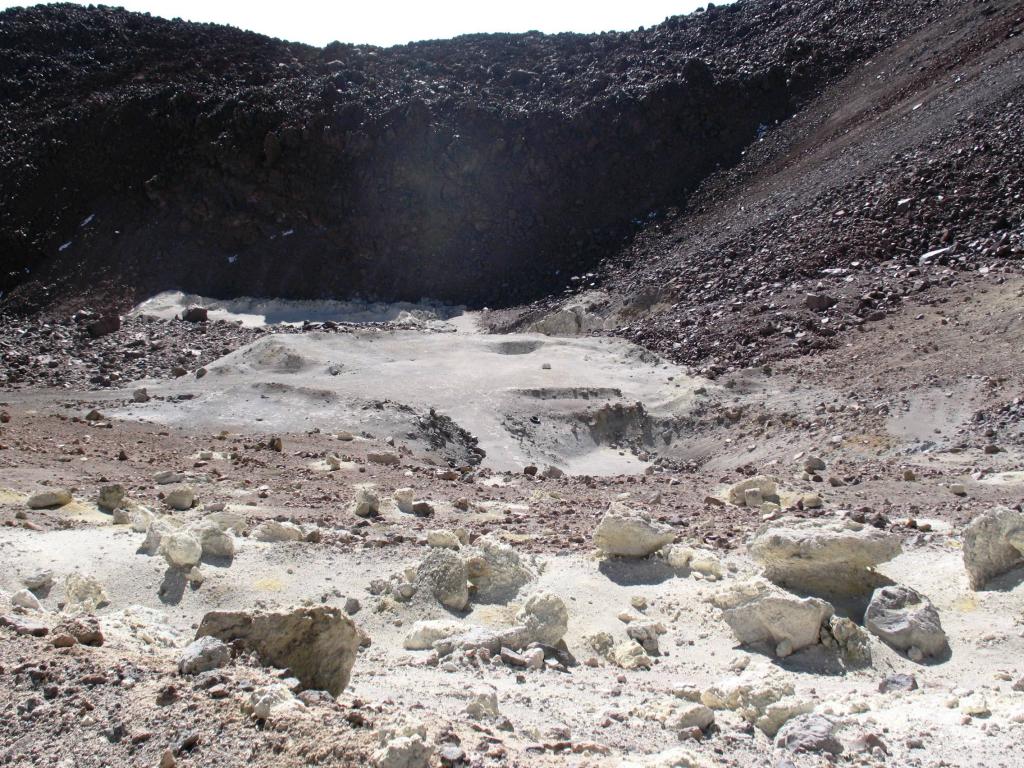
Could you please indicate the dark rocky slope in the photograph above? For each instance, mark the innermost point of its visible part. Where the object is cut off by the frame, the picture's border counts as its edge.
(138, 154)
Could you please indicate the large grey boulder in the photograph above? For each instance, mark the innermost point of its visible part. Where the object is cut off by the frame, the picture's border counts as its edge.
(318, 645)
(823, 558)
(442, 574)
(993, 544)
(760, 613)
(906, 620)
(624, 532)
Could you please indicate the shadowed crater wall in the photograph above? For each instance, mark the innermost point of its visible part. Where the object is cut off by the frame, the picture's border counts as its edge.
(138, 154)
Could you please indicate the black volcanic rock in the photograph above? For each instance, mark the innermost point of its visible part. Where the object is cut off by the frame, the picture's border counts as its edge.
(139, 154)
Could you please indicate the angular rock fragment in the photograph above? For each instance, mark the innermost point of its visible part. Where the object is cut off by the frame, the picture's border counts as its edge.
(318, 645)
(83, 593)
(760, 613)
(366, 503)
(202, 655)
(275, 531)
(272, 703)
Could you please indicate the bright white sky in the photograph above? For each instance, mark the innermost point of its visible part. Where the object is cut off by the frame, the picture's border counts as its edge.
(390, 22)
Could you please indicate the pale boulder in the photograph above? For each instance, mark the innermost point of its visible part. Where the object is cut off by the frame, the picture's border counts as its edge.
(181, 549)
(630, 655)
(403, 752)
(706, 563)
(366, 502)
(157, 529)
(678, 716)
(646, 633)
(442, 574)
(624, 532)
(181, 498)
(272, 703)
(423, 634)
(993, 544)
(496, 571)
(443, 538)
(140, 519)
(765, 486)
(677, 757)
(318, 645)
(760, 695)
(57, 497)
(214, 541)
(25, 599)
(202, 655)
(404, 498)
(483, 704)
(809, 733)
(760, 613)
(83, 593)
(274, 531)
(111, 497)
(823, 558)
(545, 617)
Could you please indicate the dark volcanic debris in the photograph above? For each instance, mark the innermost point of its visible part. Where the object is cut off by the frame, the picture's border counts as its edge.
(138, 154)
